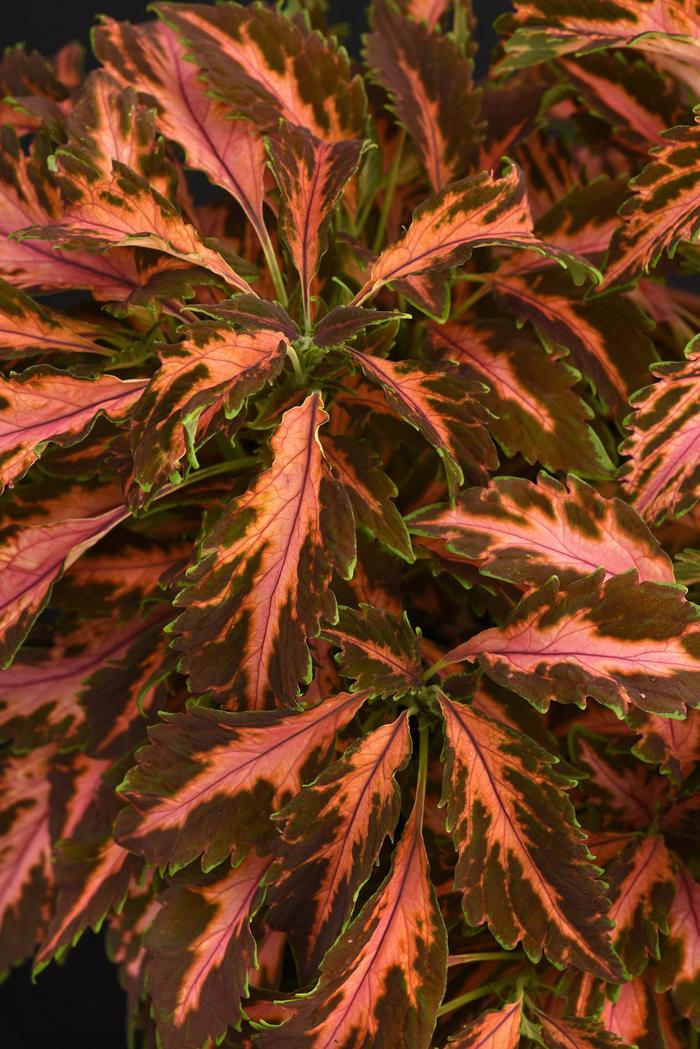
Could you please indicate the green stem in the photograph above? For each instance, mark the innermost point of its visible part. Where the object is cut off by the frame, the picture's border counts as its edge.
(471, 996)
(423, 747)
(432, 671)
(389, 193)
(273, 267)
(480, 956)
(480, 292)
(296, 363)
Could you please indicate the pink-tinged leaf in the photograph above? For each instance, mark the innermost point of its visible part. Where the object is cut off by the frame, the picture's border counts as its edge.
(546, 30)
(26, 879)
(44, 406)
(252, 314)
(430, 84)
(641, 887)
(606, 335)
(525, 533)
(581, 221)
(378, 650)
(496, 1029)
(210, 778)
(673, 745)
(662, 475)
(523, 866)
(36, 547)
(621, 642)
(342, 323)
(668, 188)
(385, 975)
(332, 835)
(213, 368)
(536, 412)
(633, 1016)
(429, 11)
(261, 588)
(125, 210)
(619, 792)
(557, 1033)
(121, 581)
(679, 970)
(439, 402)
(150, 58)
(474, 212)
(370, 490)
(311, 176)
(199, 948)
(27, 199)
(124, 939)
(92, 872)
(28, 328)
(40, 693)
(267, 67)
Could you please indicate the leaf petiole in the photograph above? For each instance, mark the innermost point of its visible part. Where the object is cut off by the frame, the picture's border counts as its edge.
(472, 996)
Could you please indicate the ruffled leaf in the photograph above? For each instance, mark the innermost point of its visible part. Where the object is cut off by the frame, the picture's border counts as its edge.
(377, 649)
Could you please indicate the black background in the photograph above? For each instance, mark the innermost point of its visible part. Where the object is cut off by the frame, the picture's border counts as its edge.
(79, 1004)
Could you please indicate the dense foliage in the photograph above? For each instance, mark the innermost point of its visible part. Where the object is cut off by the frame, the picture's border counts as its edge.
(347, 677)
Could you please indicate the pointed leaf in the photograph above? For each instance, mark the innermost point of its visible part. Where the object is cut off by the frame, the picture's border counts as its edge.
(344, 322)
(28, 328)
(618, 641)
(680, 958)
(311, 176)
(633, 1016)
(267, 66)
(387, 968)
(210, 778)
(525, 533)
(606, 335)
(151, 59)
(523, 866)
(333, 832)
(476, 211)
(26, 879)
(641, 890)
(378, 650)
(430, 84)
(370, 491)
(668, 188)
(496, 1029)
(262, 586)
(439, 403)
(36, 549)
(576, 1034)
(199, 948)
(213, 366)
(535, 410)
(663, 473)
(44, 405)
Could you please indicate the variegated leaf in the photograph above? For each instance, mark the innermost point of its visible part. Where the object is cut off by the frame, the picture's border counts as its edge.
(150, 58)
(311, 176)
(440, 404)
(662, 475)
(370, 491)
(633, 1016)
(332, 835)
(496, 1029)
(28, 328)
(387, 968)
(26, 879)
(557, 1033)
(378, 650)
(38, 544)
(621, 793)
(618, 641)
(430, 84)
(474, 212)
(214, 367)
(679, 970)
(210, 778)
(525, 533)
(668, 188)
(199, 949)
(673, 745)
(267, 67)
(429, 11)
(536, 411)
(44, 406)
(523, 866)
(641, 887)
(261, 587)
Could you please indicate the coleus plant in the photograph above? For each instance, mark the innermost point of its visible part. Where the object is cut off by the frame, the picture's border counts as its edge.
(347, 676)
